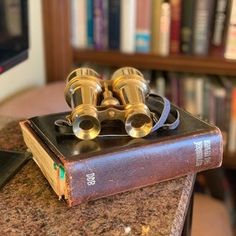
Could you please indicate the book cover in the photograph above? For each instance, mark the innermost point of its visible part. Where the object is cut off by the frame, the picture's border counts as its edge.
(187, 22)
(230, 45)
(81, 171)
(143, 26)
(203, 15)
(128, 26)
(175, 8)
(114, 24)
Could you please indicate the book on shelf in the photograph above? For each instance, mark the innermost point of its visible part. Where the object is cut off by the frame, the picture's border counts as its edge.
(203, 15)
(232, 124)
(79, 24)
(175, 26)
(90, 25)
(219, 22)
(219, 27)
(164, 29)
(100, 24)
(155, 25)
(128, 26)
(114, 28)
(81, 170)
(187, 22)
(230, 46)
(143, 26)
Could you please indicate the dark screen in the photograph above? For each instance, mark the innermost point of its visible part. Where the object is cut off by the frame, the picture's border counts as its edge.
(13, 29)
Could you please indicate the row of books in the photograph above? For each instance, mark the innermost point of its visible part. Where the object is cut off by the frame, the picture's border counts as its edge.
(212, 98)
(197, 27)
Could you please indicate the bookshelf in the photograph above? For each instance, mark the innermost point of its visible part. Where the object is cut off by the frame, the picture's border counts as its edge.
(180, 63)
(60, 56)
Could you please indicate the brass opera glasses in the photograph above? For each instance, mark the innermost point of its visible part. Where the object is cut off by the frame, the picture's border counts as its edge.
(94, 100)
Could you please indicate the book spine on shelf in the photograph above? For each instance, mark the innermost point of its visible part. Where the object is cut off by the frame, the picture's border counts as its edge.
(175, 26)
(143, 26)
(90, 36)
(100, 24)
(128, 22)
(219, 22)
(114, 24)
(79, 23)
(232, 125)
(165, 29)
(112, 173)
(155, 26)
(187, 26)
(189, 94)
(230, 46)
(227, 84)
(173, 78)
(203, 15)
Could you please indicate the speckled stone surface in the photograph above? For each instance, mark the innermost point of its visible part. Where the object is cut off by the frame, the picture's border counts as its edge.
(28, 205)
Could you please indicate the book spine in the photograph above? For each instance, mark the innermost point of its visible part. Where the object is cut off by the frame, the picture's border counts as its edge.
(100, 24)
(187, 26)
(174, 87)
(143, 26)
(232, 125)
(175, 26)
(230, 47)
(90, 36)
(113, 173)
(219, 23)
(155, 27)
(79, 23)
(165, 30)
(114, 24)
(128, 20)
(202, 26)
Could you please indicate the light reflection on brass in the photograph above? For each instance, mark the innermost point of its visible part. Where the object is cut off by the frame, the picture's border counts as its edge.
(93, 101)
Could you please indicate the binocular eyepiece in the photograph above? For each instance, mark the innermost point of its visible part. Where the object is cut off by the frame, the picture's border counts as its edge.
(94, 100)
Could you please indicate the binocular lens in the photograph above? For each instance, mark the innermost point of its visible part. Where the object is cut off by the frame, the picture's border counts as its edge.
(138, 125)
(86, 127)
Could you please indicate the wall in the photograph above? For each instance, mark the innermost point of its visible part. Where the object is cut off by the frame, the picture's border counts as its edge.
(32, 71)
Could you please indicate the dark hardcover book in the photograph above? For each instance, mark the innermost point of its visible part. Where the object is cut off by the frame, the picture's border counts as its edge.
(84, 170)
(187, 23)
(203, 16)
(114, 24)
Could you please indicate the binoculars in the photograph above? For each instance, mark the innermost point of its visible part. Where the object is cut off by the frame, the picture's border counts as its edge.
(94, 100)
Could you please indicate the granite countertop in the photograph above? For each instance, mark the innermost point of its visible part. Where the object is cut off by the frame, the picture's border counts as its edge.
(28, 205)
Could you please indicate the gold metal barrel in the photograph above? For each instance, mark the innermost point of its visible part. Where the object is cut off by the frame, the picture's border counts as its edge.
(82, 89)
(131, 87)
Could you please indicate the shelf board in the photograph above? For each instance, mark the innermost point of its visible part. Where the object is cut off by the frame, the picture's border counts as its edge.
(178, 63)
